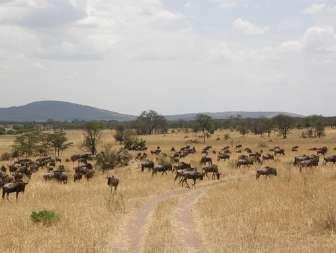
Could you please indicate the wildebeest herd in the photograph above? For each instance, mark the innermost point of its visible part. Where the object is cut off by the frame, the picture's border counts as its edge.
(15, 176)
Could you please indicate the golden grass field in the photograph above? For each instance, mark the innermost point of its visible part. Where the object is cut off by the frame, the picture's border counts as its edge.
(294, 212)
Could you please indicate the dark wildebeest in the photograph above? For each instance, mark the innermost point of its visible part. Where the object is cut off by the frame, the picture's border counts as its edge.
(279, 152)
(244, 162)
(206, 160)
(16, 187)
(77, 177)
(322, 151)
(147, 164)
(191, 175)
(267, 171)
(213, 169)
(222, 156)
(162, 168)
(330, 159)
(113, 182)
(295, 149)
(268, 157)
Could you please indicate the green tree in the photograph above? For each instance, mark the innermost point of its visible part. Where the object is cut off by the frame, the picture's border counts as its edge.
(150, 122)
(92, 136)
(27, 144)
(205, 124)
(283, 124)
(59, 142)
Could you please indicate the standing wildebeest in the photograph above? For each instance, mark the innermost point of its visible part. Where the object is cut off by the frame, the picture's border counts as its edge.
(330, 159)
(322, 151)
(16, 187)
(222, 156)
(267, 171)
(192, 175)
(162, 168)
(206, 160)
(279, 151)
(113, 182)
(147, 164)
(212, 169)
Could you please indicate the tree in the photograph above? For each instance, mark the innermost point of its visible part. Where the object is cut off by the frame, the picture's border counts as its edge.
(150, 122)
(110, 158)
(59, 142)
(28, 144)
(92, 135)
(205, 124)
(283, 124)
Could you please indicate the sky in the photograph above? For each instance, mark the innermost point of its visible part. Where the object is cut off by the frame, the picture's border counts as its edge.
(173, 56)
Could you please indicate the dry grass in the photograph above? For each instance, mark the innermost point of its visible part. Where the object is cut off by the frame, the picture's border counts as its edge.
(294, 212)
(160, 236)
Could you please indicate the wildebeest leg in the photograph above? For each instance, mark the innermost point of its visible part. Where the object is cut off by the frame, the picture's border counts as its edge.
(17, 195)
(3, 194)
(194, 183)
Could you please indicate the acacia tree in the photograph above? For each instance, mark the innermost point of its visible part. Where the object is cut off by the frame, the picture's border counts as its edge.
(205, 124)
(59, 142)
(92, 135)
(283, 124)
(28, 144)
(150, 122)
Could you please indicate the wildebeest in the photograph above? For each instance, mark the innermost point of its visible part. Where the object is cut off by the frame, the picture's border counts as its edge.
(191, 175)
(113, 182)
(222, 156)
(267, 171)
(213, 169)
(268, 157)
(147, 164)
(162, 168)
(206, 160)
(330, 159)
(16, 187)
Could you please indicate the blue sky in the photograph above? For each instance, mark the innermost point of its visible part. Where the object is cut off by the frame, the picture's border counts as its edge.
(174, 56)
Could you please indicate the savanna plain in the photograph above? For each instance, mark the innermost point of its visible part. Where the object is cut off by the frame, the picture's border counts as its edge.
(292, 212)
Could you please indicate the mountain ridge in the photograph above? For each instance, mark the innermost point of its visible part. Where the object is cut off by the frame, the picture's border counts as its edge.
(42, 111)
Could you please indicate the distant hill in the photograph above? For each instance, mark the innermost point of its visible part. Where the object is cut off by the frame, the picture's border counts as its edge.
(228, 115)
(59, 111)
(65, 111)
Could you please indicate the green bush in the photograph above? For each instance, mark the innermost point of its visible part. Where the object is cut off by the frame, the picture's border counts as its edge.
(45, 217)
(135, 144)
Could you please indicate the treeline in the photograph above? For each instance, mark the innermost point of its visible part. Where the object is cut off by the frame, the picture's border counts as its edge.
(150, 122)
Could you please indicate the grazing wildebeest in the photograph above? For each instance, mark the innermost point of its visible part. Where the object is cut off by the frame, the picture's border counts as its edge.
(77, 177)
(312, 161)
(248, 150)
(244, 162)
(279, 151)
(295, 148)
(16, 187)
(206, 160)
(89, 174)
(268, 157)
(113, 182)
(267, 171)
(222, 156)
(192, 175)
(147, 164)
(330, 159)
(212, 169)
(182, 166)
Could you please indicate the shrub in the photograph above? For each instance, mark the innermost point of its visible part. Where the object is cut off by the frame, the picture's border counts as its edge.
(135, 144)
(44, 217)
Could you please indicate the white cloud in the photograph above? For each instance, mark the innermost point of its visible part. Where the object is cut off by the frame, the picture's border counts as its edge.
(248, 28)
(321, 40)
(230, 3)
(320, 9)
